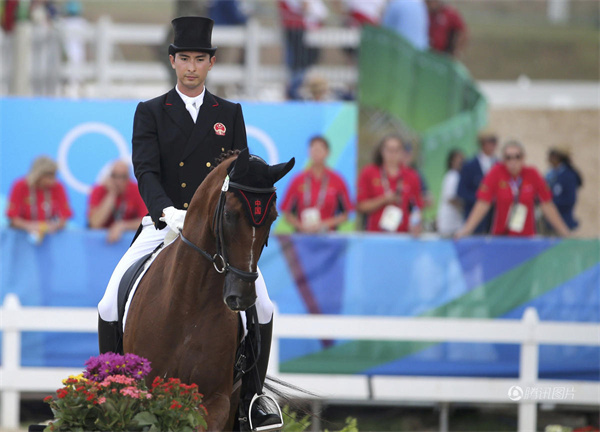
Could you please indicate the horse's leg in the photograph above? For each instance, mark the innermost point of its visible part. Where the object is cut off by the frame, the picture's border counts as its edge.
(218, 409)
(234, 402)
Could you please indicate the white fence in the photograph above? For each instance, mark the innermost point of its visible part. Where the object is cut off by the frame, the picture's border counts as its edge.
(108, 75)
(528, 332)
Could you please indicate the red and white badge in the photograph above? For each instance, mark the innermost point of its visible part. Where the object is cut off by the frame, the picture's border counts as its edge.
(220, 129)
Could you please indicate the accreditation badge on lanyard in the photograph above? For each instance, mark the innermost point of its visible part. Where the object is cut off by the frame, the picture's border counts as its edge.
(392, 215)
(517, 215)
(311, 216)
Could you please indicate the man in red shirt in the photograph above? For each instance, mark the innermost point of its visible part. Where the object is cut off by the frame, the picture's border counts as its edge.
(389, 192)
(514, 189)
(38, 202)
(116, 204)
(447, 30)
(317, 199)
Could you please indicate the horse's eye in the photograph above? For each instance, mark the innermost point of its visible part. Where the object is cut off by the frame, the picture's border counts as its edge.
(230, 216)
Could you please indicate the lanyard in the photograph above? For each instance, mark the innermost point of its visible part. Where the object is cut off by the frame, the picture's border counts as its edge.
(386, 183)
(119, 212)
(307, 192)
(515, 187)
(46, 204)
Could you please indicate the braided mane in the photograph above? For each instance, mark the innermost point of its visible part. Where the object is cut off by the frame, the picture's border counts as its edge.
(224, 156)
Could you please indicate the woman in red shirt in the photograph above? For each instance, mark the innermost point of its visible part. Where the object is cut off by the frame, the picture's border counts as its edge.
(514, 189)
(38, 202)
(317, 199)
(389, 192)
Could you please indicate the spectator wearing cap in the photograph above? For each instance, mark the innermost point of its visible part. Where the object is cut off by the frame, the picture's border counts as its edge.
(317, 200)
(515, 188)
(116, 204)
(564, 180)
(38, 202)
(472, 174)
(447, 30)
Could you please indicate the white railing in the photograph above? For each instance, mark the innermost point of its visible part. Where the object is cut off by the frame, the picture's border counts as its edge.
(528, 332)
(111, 76)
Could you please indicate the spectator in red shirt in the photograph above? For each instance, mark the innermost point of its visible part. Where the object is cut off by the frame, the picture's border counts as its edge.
(317, 199)
(389, 192)
(447, 30)
(38, 202)
(116, 204)
(514, 188)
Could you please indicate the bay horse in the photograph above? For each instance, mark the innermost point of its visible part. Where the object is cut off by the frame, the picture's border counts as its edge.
(184, 314)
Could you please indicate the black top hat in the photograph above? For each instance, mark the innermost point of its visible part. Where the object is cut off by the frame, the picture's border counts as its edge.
(192, 33)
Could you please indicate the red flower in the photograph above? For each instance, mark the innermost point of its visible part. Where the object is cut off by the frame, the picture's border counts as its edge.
(62, 393)
(47, 399)
(175, 405)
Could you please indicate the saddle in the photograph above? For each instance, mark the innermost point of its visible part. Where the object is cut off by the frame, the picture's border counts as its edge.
(127, 284)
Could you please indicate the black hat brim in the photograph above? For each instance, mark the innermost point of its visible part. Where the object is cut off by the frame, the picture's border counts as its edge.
(173, 49)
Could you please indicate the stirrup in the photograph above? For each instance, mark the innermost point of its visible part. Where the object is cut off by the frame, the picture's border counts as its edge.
(270, 402)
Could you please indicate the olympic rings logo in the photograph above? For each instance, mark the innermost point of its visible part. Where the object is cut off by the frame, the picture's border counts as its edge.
(72, 136)
(266, 141)
(117, 139)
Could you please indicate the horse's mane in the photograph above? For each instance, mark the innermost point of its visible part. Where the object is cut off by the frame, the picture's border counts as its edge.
(224, 156)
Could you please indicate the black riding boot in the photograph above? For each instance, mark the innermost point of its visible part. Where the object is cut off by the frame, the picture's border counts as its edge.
(265, 413)
(109, 337)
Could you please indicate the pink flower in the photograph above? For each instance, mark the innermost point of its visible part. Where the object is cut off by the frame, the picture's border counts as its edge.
(101, 400)
(119, 379)
(131, 392)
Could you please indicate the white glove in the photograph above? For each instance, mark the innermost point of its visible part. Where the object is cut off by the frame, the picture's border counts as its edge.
(174, 218)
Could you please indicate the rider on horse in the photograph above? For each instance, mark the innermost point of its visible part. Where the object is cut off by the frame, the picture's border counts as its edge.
(176, 139)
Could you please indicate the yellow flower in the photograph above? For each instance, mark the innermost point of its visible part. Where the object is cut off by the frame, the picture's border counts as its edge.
(77, 378)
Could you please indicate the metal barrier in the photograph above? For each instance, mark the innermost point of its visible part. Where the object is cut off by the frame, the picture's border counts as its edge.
(528, 332)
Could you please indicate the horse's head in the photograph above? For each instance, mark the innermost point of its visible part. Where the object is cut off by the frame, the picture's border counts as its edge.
(242, 214)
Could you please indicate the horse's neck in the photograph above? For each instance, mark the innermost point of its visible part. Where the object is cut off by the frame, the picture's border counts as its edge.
(193, 275)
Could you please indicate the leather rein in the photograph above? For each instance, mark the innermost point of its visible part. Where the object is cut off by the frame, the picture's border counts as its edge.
(219, 259)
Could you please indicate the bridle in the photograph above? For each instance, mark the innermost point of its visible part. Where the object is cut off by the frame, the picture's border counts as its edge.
(219, 259)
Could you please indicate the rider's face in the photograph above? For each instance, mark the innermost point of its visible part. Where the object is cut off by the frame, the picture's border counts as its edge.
(191, 68)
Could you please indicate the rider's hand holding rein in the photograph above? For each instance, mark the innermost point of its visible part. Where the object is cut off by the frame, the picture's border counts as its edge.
(174, 218)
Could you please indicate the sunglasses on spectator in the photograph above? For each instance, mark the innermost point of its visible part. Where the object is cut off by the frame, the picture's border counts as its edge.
(119, 176)
(490, 140)
(515, 156)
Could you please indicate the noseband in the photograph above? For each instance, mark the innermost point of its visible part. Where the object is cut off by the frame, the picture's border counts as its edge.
(219, 259)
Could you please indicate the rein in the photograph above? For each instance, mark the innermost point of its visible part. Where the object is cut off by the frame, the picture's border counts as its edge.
(219, 259)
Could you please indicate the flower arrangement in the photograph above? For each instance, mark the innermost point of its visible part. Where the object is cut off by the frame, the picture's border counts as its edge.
(111, 394)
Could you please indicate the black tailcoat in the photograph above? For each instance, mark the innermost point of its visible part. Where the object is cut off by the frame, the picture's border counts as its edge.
(172, 155)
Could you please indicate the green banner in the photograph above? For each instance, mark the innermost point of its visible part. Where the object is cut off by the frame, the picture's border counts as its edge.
(425, 94)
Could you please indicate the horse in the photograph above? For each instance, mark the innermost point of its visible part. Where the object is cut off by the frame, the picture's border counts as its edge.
(184, 314)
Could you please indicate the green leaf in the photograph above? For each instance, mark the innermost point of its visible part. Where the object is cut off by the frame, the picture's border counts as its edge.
(145, 418)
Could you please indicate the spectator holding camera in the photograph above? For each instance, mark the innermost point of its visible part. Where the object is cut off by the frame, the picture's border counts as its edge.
(317, 200)
(38, 202)
(514, 188)
(116, 204)
(389, 192)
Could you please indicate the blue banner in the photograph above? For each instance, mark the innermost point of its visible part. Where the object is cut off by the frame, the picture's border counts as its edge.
(372, 275)
(85, 136)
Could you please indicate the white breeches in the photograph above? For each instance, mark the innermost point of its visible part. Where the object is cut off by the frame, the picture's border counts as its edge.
(147, 241)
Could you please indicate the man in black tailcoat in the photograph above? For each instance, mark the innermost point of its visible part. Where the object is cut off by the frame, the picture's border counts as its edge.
(176, 139)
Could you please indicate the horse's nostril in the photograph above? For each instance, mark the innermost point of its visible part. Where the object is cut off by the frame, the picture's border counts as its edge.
(233, 302)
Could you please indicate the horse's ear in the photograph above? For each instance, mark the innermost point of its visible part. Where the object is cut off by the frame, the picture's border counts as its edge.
(276, 172)
(240, 166)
